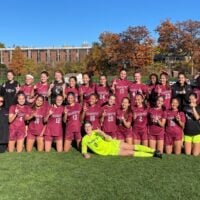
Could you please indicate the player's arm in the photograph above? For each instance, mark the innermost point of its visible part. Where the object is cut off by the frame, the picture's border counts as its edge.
(12, 115)
(84, 150)
(161, 122)
(126, 123)
(107, 137)
(195, 113)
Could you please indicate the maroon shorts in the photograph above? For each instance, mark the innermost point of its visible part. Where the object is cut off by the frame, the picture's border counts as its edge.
(171, 138)
(156, 137)
(112, 134)
(140, 134)
(50, 138)
(32, 136)
(70, 135)
(16, 134)
(123, 135)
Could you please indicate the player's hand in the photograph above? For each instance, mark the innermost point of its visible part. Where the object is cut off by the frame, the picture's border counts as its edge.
(104, 113)
(178, 118)
(16, 111)
(87, 155)
(66, 111)
(50, 112)
(85, 108)
(17, 88)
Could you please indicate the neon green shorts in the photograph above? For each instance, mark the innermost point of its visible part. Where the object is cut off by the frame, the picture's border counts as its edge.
(114, 148)
(192, 139)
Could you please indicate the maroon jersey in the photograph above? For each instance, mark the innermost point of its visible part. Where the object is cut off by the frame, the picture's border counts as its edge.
(54, 124)
(153, 115)
(109, 123)
(27, 90)
(140, 122)
(197, 91)
(128, 117)
(103, 94)
(18, 123)
(172, 126)
(86, 91)
(121, 90)
(93, 115)
(135, 88)
(73, 123)
(41, 89)
(166, 93)
(74, 90)
(36, 124)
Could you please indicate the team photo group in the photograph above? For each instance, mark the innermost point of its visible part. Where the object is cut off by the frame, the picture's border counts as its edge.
(117, 117)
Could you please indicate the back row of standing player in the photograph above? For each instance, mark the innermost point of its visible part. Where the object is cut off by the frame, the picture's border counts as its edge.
(150, 114)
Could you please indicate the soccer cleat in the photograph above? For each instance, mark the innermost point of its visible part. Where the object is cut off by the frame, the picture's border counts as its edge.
(157, 154)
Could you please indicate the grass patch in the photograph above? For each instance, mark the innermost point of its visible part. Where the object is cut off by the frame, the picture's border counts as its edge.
(69, 176)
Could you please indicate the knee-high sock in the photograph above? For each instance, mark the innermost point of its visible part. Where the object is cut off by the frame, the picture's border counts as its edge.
(142, 154)
(143, 148)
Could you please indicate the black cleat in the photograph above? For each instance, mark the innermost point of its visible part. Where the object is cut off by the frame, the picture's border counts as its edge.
(157, 154)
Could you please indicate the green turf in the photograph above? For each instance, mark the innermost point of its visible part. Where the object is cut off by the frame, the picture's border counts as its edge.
(70, 176)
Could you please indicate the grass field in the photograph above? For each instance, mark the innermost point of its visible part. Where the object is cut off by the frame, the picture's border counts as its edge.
(69, 176)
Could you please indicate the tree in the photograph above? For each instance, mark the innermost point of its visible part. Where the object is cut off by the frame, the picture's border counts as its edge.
(2, 45)
(17, 62)
(29, 66)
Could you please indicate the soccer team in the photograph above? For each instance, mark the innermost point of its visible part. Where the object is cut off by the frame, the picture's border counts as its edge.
(121, 118)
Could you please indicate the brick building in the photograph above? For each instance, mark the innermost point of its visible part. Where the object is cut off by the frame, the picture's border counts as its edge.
(50, 55)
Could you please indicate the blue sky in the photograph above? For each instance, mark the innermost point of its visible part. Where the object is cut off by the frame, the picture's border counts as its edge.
(71, 22)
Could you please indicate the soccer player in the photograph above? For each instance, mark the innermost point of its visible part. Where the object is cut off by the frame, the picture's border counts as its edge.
(17, 128)
(54, 129)
(57, 87)
(120, 86)
(3, 126)
(140, 112)
(102, 90)
(124, 121)
(108, 119)
(102, 144)
(182, 90)
(92, 112)
(175, 122)
(42, 87)
(27, 88)
(36, 126)
(192, 126)
(156, 125)
(72, 114)
(137, 87)
(86, 89)
(164, 89)
(72, 87)
(9, 89)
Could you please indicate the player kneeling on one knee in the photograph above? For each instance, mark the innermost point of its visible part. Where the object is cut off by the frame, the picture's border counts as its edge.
(102, 144)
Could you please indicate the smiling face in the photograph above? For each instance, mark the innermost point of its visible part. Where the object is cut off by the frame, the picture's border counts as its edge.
(88, 128)
(125, 104)
(181, 79)
(70, 99)
(58, 76)
(72, 82)
(10, 76)
(193, 99)
(59, 100)
(103, 80)
(1, 101)
(153, 79)
(43, 78)
(174, 104)
(163, 79)
(28, 80)
(123, 74)
(92, 100)
(111, 100)
(138, 100)
(21, 99)
(159, 102)
(39, 102)
(86, 79)
(137, 77)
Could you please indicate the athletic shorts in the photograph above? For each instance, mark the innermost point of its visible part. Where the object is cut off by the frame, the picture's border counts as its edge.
(156, 137)
(72, 136)
(50, 138)
(31, 136)
(114, 148)
(171, 138)
(140, 134)
(192, 139)
(123, 135)
(16, 134)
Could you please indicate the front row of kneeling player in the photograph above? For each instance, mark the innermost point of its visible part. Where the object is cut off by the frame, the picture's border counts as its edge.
(131, 125)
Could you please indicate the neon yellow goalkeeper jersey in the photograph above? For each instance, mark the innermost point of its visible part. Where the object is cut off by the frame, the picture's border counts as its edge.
(98, 144)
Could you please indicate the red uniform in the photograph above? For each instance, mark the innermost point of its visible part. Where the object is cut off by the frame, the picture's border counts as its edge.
(86, 91)
(121, 90)
(103, 94)
(73, 124)
(41, 89)
(109, 124)
(27, 90)
(54, 127)
(36, 124)
(156, 132)
(135, 88)
(166, 93)
(173, 131)
(93, 115)
(122, 131)
(140, 123)
(74, 90)
(17, 128)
